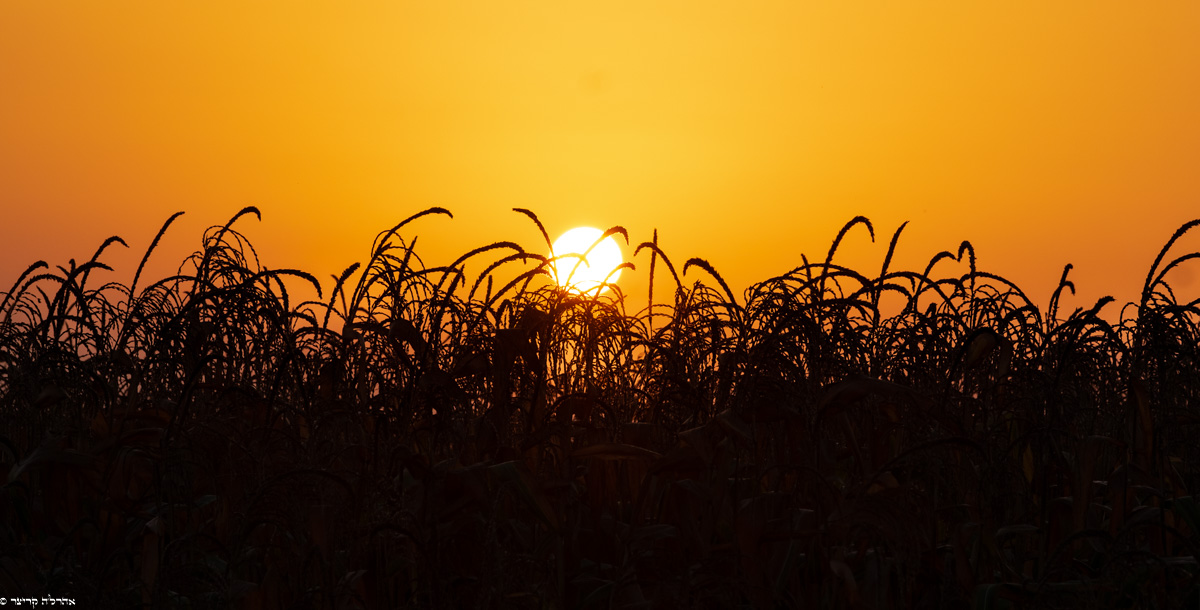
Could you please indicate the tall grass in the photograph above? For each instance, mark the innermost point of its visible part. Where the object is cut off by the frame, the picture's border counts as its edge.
(421, 437)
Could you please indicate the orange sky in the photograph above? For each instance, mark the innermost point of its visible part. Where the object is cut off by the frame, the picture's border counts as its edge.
(745, 132)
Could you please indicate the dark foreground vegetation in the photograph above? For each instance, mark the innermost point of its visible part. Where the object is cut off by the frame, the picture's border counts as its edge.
(427, 438)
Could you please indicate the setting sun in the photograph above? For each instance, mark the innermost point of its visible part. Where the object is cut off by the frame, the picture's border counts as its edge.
(903, 277)
(598, 265)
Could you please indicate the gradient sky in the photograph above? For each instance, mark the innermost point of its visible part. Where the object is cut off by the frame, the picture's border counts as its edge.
(747, 133)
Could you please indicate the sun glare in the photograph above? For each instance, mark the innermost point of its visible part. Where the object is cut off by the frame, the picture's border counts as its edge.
(581, 275)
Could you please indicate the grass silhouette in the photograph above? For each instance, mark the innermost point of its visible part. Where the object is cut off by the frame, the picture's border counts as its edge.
(418, 437)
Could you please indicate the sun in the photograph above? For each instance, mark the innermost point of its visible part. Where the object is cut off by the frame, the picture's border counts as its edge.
(600, 260)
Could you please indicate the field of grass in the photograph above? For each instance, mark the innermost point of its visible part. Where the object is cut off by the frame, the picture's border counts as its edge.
(427, 438)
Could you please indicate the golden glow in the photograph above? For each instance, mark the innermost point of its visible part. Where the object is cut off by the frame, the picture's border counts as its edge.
(597, 267)
(746, 133)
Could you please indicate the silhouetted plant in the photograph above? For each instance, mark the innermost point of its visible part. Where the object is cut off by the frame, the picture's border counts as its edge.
(424, 437)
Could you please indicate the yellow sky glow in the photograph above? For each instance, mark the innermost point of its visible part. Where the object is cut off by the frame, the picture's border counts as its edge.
(746, 133)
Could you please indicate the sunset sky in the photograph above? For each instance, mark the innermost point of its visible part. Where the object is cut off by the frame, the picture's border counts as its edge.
(747, 133)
